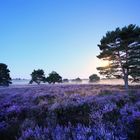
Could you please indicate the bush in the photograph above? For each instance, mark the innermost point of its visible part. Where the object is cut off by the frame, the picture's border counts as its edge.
(94, 78)
(77, 80)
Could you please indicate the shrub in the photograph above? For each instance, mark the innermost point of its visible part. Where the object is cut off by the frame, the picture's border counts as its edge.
(94, 78)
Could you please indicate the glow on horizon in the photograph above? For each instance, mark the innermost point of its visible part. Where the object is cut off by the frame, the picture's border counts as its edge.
(59, 36)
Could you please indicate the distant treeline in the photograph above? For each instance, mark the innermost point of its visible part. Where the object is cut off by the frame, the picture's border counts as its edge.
(38, 76)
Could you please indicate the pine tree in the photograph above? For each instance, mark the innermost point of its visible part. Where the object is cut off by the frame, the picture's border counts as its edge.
(122, 49)
(37, 76)
(53, 78)
(5, 79)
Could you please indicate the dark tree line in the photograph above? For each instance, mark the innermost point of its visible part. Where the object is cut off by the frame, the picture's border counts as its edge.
(38, 76)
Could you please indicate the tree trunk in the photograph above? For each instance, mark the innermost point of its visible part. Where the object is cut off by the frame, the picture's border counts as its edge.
(126, 81)
(125, 73)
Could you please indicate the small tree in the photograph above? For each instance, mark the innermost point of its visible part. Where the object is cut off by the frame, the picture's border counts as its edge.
(77, 80)
(94, 78)
(37, 76)
(53, 78)
(122, 49)
(65, 80)
(5, 79)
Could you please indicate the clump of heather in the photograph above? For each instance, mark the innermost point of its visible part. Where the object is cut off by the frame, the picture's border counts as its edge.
(73, 112)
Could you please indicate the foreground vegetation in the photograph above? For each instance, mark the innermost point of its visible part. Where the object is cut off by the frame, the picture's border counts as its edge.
(73, 112)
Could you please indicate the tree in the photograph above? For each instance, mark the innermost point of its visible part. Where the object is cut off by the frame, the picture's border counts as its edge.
(5, 79)
(53, 78)
(94, 78)
(122, 49)
(37, 76)
(77, 80)
(65, 80)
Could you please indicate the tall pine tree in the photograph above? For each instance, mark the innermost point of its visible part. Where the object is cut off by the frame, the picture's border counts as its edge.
(122, 49)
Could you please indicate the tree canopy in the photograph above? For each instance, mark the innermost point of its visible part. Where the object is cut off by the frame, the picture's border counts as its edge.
(5, 78)
(122, 49)
(94, 78)
(54, 77)
(37, 76)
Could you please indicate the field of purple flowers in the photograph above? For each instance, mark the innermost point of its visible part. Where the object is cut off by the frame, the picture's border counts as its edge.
(69, 112)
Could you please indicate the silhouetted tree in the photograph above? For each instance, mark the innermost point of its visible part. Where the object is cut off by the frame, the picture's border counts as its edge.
(94, 78)
(122, 49)
(37, 76)
(65, 80)
(53, 78)
(77, 80)
(5, 79)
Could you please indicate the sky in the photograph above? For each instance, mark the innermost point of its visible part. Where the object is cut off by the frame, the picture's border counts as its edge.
(59, 35)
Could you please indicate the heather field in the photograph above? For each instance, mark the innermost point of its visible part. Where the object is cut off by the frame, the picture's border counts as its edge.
(69, 112)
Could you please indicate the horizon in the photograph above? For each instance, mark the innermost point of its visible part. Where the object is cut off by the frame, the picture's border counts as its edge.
(59, 36)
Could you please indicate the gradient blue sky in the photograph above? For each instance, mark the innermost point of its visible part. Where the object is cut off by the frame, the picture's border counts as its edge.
(59, 35)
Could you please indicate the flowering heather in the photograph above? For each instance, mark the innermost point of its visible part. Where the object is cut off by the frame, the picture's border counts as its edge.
(69, 112)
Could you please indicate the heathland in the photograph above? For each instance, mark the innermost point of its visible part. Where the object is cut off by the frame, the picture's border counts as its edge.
(73, 112)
